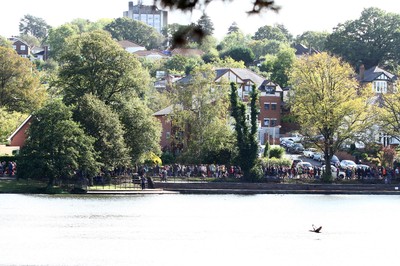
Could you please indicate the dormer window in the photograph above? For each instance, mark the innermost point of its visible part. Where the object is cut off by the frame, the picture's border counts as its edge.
(270, 89)
(380, 86)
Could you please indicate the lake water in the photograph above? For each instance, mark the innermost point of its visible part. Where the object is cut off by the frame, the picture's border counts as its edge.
(199, 230)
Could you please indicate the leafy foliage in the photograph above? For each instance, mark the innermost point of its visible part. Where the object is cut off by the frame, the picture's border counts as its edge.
(370, 40)
(313, 39)
(142, 131)
(200, 112)
(246, 137)
(205, 24)
(34, 26)
(135, 31)
(240, 54)
(20, 88)
(56, 147)
(328, 102)
(94, 63)
(102, 123)
(267, 32)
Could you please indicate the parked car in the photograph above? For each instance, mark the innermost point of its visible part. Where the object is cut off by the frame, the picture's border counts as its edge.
(334, 160)
(287, 143)
(295, 162)
(344, 164)
(296, 148)
(304, 165)
(296, 137)
(334, 171)
(363, 166)
(309, 152)
(317, 156)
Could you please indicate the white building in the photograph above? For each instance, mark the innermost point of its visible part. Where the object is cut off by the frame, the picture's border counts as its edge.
(150, 15)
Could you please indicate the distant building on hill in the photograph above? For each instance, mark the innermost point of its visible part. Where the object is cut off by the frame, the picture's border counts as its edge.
(150, 15)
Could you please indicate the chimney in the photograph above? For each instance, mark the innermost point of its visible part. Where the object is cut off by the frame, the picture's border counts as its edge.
(46, 53)
(362, 71)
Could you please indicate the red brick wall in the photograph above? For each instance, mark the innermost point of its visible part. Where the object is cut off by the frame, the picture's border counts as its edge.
(166, 128)
(20, 137)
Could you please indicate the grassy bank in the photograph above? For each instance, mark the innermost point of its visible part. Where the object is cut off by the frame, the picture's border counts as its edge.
(27, 186)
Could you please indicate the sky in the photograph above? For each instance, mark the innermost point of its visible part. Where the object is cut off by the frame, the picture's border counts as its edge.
(297, 16)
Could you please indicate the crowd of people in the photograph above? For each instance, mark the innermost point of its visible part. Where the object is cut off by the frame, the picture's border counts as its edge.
(8, 168)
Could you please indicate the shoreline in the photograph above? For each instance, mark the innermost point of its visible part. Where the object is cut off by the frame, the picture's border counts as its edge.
(212, 188)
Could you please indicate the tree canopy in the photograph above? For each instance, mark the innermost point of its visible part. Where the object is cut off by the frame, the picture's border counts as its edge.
(313, 39)
(278, 33)
(34, 26)
(200, 113)
(20, 87)
(370, 40)
(328, 102)
(57, 147)
(94, 63)
(206, 25)
(246, 132)
(135, 31)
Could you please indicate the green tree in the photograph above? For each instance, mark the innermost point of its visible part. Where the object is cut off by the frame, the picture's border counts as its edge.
(5, 43)
(200, 112)
(264, 47)
(389, 113)
(270, 33)
(313, 39)
(282, 66)
(246, 137)
(34, 26)
(240, 53)
(370, 40)
(327, 101)
(102, 123)
(135, 31)
(206, 25)
(93, 63)
(9, 123)
(58, 36)
(20, 88)
(233, 28)
(57, 147)
(233, 40)
(142, 130)
(182, 64)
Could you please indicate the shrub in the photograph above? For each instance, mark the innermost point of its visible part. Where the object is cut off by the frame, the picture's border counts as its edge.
(276, 152)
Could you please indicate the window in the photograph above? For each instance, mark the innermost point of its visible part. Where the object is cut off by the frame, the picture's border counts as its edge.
(247, 89)
(23, 47)
(167, 135)
(273, 122)
(270, 89)
(266, 122)
(273, 106)
(14, 47)
(266, 106)
(380, 86)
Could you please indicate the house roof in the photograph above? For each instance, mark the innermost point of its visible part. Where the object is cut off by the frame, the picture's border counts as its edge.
(19, 128)
(126, 44)
(144, 53)
(244, 74)
(373, 73)
(187, 51)
(301, 49)
(166, 111)
(15, 39)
